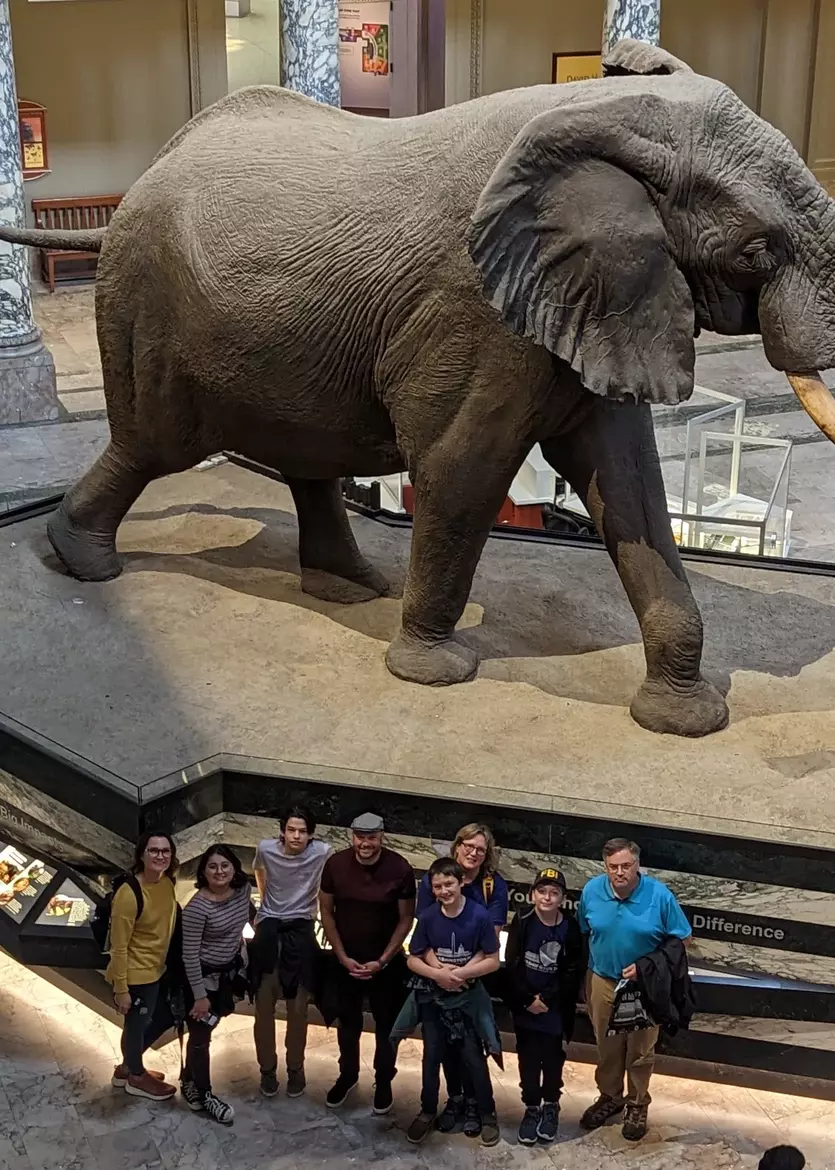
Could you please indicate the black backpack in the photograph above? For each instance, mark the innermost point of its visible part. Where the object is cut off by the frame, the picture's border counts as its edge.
(100, 922)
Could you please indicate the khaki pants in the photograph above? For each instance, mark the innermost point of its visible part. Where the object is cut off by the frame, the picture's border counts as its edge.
(630, 1054)
(295, 1040)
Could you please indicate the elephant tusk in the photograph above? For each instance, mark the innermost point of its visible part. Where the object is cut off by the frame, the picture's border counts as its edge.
(816, 400)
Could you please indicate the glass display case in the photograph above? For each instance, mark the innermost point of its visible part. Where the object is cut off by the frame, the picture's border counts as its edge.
(727, 490)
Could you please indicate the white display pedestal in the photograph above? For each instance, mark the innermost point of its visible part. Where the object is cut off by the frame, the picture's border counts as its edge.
(535, 482)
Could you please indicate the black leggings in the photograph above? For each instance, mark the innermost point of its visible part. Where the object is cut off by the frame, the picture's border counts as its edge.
(144, 1024)
(197, 1055)
(541, 1059)
(149, 1018)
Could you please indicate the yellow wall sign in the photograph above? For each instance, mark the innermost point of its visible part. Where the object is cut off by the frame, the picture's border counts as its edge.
(576, 67)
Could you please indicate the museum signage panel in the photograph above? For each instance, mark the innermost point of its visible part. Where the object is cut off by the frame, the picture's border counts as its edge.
(575, 67)
(22, 879)
(364, 55)
(69, 907)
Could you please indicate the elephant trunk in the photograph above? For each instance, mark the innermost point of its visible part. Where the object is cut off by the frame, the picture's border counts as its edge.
(797, 313)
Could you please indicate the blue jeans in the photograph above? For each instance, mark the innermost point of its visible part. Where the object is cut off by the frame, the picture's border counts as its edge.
(463, 1062)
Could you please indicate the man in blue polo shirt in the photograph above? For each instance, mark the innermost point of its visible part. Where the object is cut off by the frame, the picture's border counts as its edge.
(626, 915)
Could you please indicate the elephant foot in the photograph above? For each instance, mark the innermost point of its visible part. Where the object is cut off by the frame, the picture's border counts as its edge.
(86, 555)
(432, 664)
(365, 585)
(696, 710)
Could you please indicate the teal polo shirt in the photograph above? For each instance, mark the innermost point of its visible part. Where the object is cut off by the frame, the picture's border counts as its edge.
(623, 930)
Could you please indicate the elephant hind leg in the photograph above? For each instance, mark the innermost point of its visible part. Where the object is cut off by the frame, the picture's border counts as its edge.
(333, 568)
(83, 529)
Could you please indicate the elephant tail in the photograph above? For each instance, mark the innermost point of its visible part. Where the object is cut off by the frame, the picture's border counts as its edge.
(69, 241)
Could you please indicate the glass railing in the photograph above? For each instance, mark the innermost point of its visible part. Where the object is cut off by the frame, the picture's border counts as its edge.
(728, 484)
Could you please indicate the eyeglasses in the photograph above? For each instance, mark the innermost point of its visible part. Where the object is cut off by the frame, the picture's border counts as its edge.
(158, 852)
(476, 850)
(625, 868)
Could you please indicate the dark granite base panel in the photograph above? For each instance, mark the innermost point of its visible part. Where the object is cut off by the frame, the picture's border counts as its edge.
(27, 385)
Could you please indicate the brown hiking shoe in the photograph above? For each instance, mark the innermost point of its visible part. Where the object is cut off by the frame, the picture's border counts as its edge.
(635, 1122)
(600, 1112)
(121, 1074)
(148, 1086)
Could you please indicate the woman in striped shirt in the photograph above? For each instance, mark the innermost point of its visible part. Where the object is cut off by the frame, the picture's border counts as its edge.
(213, 924)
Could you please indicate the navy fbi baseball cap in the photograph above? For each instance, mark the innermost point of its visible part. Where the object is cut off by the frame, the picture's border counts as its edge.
(550, 877)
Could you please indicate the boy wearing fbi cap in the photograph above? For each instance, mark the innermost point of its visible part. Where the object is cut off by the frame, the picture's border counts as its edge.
(544, 971)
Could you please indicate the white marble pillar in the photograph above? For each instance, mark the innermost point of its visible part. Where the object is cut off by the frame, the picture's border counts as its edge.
(27, 371)
(639, 19)
(310, 48)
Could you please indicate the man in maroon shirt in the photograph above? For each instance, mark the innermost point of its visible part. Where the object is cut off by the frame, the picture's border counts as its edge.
(367, 901)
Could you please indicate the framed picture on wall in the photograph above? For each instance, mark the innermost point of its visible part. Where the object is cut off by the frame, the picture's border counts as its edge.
(575, 67)
(33, 150)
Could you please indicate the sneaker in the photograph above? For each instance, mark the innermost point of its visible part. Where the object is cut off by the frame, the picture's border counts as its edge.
(528, 1130)
(296, 1082)
(599, 1113)
(451, 1117)
(420, 1127)
(338, 1093)
(150, 1087)
(549, 1122)
(269, 1084)
(192, 1096)
(489, 1130)
(635, 1122)
(383, 1098)
(472, 1120)
(218, 1110)
(121, 1074)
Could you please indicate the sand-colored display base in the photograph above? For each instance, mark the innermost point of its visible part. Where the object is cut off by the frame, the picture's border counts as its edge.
(206, 644)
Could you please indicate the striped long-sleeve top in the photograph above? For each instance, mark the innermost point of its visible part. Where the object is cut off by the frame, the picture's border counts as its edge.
(212, 933)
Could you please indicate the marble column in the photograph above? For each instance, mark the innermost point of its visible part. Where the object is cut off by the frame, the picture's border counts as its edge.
(639, 19)
(309, 34)
(27, 371)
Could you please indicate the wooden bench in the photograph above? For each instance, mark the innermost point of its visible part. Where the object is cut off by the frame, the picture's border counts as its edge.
(84, 212)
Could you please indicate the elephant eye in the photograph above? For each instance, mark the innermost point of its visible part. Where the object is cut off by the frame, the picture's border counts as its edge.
(756, 256)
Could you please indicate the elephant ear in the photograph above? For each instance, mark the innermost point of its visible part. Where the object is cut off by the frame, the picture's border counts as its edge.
(629, 58)
(573, 253)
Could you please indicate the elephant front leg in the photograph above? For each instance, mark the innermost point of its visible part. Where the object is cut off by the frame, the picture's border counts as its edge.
(458, 494)
(612, 462)
(333, 568)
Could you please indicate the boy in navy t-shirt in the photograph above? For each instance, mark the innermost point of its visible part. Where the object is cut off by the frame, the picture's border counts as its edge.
(544, 969)
(453, 946)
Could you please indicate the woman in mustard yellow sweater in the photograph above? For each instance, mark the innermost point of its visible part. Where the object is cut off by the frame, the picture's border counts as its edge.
(138, 949)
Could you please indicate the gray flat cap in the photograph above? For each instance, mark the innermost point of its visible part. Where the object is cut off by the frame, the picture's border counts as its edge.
(368, 823)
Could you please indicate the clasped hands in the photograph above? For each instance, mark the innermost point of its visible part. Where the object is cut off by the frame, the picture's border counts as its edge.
(362, 970)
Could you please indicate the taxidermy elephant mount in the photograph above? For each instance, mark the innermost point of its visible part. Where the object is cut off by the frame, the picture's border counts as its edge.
(439, 293)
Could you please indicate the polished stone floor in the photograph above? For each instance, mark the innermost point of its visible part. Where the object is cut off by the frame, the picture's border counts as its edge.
(67, 322)
(252, 52)
(57, 1111)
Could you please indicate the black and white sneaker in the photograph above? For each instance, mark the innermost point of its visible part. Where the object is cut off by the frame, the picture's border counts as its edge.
(549, 1122)
(383, 1098)
(218, 1110)
(337, 1094)
(192, 1096)
(528, 1129)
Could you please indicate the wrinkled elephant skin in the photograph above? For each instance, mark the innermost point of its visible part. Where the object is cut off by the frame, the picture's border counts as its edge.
(437, 294)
